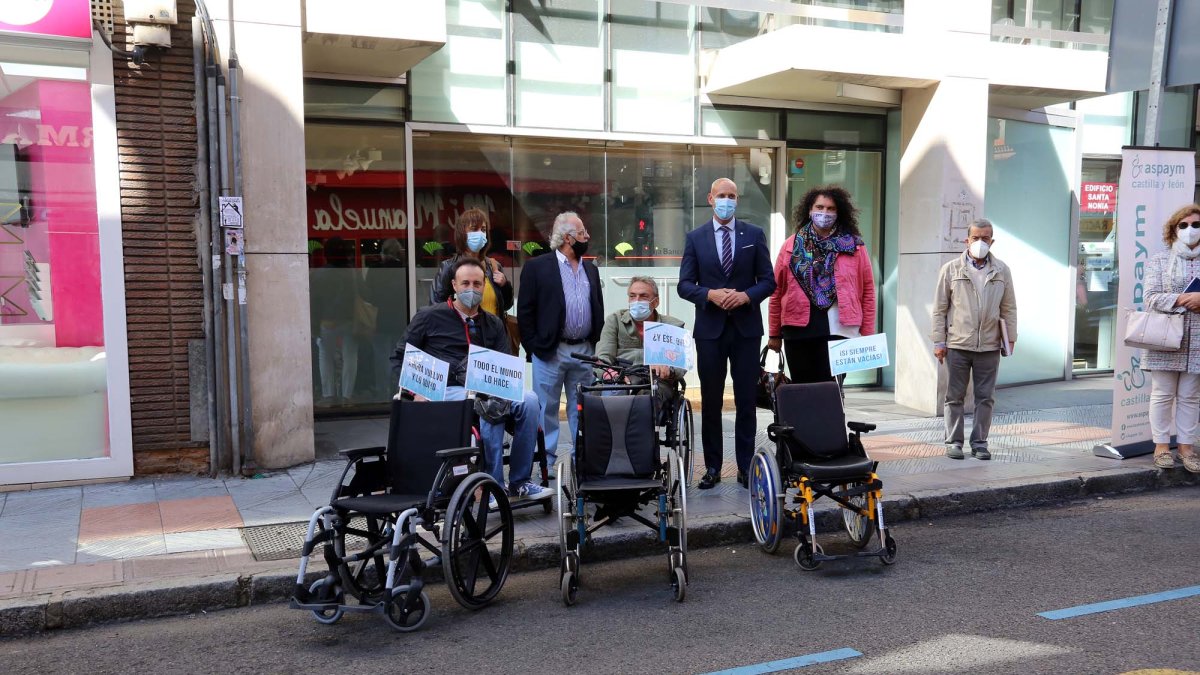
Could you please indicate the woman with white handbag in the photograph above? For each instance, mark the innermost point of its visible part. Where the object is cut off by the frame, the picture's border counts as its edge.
(1175, 373)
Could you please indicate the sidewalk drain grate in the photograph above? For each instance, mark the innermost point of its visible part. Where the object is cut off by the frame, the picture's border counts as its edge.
(285, 541)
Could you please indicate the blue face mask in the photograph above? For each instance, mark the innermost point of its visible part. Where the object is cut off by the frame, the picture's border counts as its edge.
(470, 298)
(724, 207)
(639, 310)
(476, 241)
(822, 219)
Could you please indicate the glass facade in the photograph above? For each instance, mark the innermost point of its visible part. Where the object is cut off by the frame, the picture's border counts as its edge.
(53, 361)
(560, 64)
(1028, 198)
(1087, 18)
(653, 67)
(1096, 266)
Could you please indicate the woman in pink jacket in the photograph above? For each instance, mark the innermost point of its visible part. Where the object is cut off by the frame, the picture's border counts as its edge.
(824, 287)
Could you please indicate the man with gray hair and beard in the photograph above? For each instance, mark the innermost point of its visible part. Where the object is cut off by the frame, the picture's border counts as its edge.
(560, 311)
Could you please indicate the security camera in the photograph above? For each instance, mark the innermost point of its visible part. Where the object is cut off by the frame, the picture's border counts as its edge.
(151, 21)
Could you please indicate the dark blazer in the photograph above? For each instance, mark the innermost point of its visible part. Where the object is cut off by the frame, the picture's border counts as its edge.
(700, 271)
(542, 309)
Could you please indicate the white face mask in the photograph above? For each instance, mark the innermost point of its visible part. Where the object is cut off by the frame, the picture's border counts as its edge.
(1189, 236)
(979, 249)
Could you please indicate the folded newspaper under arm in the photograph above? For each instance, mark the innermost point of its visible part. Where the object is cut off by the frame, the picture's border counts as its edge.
(1005, 344)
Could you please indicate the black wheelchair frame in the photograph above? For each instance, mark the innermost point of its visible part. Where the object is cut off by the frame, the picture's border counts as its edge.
(809, 473)
(619, 497)
(384, 497)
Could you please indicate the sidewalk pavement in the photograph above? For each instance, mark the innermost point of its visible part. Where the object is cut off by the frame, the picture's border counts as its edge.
(170, 545)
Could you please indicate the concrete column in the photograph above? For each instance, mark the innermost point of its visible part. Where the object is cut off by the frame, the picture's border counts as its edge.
(268, 41)
(943, 166)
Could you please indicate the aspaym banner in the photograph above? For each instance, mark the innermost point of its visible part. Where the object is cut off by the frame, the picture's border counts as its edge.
(1154, 183)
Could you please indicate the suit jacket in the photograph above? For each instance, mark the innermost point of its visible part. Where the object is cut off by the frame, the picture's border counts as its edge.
(542, 308)
(700, 271)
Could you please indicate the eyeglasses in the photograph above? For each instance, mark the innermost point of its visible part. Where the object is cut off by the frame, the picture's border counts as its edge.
(1185, 225)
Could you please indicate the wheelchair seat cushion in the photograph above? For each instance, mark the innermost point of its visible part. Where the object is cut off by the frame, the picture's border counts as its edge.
(380, 504)
(838, 468)
(618, 483)
(619, 438)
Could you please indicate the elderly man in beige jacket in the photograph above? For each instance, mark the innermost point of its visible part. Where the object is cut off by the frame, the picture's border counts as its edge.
(623, 338)
(974, 322)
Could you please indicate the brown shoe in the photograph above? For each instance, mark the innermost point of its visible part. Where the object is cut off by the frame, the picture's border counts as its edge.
(1163, 458)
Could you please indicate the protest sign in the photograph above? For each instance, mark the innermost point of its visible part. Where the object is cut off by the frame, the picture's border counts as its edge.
(495, 374)
(666, 345)
(861, 353)
(423, 374)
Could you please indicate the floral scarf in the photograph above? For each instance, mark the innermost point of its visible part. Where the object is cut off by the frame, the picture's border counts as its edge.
(812, 263)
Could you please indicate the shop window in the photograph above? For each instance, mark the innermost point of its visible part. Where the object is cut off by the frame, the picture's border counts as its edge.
(325, 99)
(53, 377)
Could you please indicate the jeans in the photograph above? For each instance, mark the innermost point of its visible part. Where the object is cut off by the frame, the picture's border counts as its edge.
(981, 367)
(549, 378)
(330, 336)
(520, 460)
(1169, 387)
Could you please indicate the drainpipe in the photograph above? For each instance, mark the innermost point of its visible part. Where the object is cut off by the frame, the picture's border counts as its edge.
(204, 245)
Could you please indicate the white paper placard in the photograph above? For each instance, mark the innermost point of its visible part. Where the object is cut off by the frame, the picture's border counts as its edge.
(495, 374)
(423, 374)
(860, 353)
(666, 345)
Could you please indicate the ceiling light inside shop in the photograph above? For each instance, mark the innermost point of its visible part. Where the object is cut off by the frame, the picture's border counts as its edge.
(41, 71)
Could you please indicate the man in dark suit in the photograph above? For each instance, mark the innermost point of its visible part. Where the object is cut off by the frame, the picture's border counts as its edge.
(726, 272)
(560, 311)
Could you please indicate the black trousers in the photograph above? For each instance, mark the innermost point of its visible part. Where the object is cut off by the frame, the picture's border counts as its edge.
(714, 359)
(808, 359)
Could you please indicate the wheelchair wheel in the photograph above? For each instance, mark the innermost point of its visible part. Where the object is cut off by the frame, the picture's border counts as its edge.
(805, 555)
(679, 584)
(858, 526)
(889, 549)
(478, 543)
(569, 586)
(677, 503)
(766, 500)
(402, 619)
(686, 435)
(326, 590)
(564, 496)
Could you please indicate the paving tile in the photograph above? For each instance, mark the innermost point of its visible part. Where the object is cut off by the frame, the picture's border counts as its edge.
(203, 540)
(284, 509)
(264, 492)
(89, 574)
(52, 504)
(171, 565)
(45, 555)
(200, 513)
(118, 494)
(11, 582)
(120, 549)
(120, 522)
(188, 488)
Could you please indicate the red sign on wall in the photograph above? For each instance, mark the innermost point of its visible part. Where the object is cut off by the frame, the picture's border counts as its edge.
(62, 18)
(1099, 198)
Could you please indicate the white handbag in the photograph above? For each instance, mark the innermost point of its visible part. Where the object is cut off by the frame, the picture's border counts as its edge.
(1154, 330)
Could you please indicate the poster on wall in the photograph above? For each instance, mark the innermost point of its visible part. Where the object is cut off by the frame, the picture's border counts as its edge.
(58, 18)
(1154, 183)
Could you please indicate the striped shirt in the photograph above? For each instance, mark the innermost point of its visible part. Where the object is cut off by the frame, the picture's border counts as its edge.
(577, 295)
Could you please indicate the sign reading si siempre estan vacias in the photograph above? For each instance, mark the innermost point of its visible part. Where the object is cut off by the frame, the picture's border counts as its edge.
(495, 374)
(61, 18)
(860, 353)
(423, 374)
(1154, 184)
(665, 345)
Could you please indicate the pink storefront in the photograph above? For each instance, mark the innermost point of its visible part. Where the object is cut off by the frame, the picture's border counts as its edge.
(64, 376)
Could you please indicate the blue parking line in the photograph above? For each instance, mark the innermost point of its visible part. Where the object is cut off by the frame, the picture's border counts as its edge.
(1110, 605)
(789, 664)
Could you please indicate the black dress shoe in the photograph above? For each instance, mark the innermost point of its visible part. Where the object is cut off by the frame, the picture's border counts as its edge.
(710, 478)
(743, 479)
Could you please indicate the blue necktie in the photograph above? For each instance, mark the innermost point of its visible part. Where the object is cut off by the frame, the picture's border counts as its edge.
(727, 251)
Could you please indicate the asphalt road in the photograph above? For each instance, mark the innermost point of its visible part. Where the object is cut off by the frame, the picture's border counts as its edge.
(963, 597)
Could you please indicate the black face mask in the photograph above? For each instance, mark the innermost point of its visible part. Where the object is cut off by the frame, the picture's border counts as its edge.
(580, 247)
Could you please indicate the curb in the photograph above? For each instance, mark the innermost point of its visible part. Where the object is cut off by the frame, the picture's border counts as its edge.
(75, 608)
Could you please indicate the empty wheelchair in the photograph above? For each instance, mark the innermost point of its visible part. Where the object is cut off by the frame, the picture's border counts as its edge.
(428, 478)
(619, 469)
(814, 457)
(673, 414)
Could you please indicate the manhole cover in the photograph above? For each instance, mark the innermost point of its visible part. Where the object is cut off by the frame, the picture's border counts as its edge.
(285, 541)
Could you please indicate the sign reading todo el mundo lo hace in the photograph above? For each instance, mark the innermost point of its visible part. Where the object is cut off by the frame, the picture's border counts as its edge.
(495, 374)
(1154, 184)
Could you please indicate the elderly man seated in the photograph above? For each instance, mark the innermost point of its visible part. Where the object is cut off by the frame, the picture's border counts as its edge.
(446, 330)
(623, 337)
